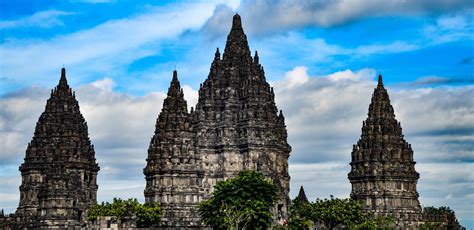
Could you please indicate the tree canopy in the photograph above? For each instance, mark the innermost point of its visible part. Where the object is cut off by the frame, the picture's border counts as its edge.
(242, 202)
(146, 214)
(332, 213)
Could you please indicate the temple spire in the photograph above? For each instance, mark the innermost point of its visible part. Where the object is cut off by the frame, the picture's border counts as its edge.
(175, 75)
(380, 104)
(380, 81)
(175, 87)
(175, 98)
(302, 196)
(236, 22)
(217, 55)
(236, 46)
(63, 81)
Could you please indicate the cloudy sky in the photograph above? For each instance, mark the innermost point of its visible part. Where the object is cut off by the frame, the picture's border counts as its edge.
(322, 57)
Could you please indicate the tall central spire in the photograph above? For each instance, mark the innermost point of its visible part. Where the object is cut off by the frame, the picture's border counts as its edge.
(236, 46)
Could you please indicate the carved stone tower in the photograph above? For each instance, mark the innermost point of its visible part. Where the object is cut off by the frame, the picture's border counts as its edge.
(383, 175)
(59, 173)
(173, 172)
(237, 123)
(236, 126)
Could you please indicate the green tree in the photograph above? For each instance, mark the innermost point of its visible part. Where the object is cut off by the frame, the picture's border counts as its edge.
(335, 212)
(242, 202)
(299, 214)
(332, 213)
(147, 214)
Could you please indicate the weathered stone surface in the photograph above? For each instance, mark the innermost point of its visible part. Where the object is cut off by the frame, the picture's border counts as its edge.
(173, 172)
(383, 175)
(59, 173)
(236, 126)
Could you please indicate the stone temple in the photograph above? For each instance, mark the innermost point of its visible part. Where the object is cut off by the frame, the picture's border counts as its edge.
(383, 175)
(235, 126)
(59, 172)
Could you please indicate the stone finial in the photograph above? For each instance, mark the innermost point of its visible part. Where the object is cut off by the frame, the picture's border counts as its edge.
(217, 55)
(255, 58)
(236, 22)
(380, 81)
(175, 75)
(175, 87)
(63, 81)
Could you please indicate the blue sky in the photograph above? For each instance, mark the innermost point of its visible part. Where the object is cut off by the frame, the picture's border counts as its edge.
(321, 56)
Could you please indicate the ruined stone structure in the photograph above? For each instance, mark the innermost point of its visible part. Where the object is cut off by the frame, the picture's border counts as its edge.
(59, 172)
(383, 175)
(236, 126)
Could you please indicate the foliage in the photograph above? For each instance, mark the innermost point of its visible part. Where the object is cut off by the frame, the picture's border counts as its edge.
(332, 213)
(438, 211)
(146, 214)
(299, 214)
(242, 202)
(335, 212)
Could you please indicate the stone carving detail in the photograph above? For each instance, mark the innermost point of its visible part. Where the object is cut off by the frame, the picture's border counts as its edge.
(383, 175)
(59, 173)
(236, 126)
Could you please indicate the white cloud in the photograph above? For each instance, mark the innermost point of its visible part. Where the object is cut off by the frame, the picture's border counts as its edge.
(265, 16)
(318, 52)
(393, 47)
(296, 77)
(42, 19)
(105, 85)
(448, 28)
(106, 48)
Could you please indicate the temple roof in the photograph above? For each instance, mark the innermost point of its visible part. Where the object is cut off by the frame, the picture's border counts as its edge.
(61, 126)
(382, 138)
